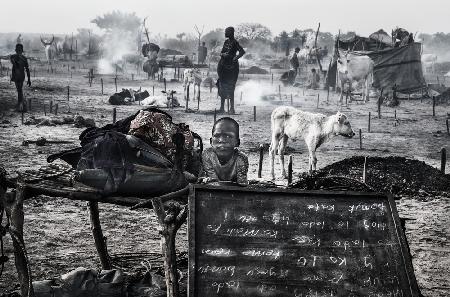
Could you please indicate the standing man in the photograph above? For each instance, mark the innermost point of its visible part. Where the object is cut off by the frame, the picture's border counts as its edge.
(294, 60)
(19, 65)
(228, 69)
(202, 53)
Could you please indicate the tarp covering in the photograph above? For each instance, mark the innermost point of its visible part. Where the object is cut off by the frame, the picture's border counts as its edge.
(399, 66)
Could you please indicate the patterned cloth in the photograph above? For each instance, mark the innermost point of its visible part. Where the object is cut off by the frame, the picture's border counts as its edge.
(157, 130)
(235, 170)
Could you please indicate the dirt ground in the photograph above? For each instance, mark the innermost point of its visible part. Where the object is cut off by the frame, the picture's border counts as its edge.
(57, 231)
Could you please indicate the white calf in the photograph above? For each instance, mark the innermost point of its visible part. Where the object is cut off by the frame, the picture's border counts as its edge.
(288, 122)
(192, 76)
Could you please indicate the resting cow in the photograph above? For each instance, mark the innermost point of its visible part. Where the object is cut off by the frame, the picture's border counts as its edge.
(166, 100)
(288, 122)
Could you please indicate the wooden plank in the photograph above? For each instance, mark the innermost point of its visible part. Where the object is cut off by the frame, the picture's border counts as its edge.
(273, 242)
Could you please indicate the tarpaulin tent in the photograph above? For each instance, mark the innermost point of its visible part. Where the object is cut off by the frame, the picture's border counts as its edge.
(400, 66)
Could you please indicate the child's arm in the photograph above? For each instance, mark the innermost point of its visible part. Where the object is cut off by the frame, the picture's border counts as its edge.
(208, 167)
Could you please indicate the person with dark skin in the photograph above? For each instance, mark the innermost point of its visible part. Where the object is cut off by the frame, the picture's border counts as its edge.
(202, 53)
(223, 162)
(228, 69)
(20, 65)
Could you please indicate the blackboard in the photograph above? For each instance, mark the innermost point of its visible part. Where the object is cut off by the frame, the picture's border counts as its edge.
(276, 242)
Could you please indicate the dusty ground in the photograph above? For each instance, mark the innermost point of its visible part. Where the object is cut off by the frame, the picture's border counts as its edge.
(57, 231)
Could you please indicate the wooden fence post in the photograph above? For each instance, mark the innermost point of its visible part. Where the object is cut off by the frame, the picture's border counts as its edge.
(56, 109)
(443, 159)
(114, 115)
(360, 139)
(290, 164)
(368, 124)
(215, 115)
(51, 106)
(261, 157)
(115, 82)
(254, 113)
(434, 106)
(101, 82)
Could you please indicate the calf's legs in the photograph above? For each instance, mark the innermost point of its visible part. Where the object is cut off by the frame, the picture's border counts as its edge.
(272, 150)
(281, 149)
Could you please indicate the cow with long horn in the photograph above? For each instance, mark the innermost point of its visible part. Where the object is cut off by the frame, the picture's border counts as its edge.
(49, 50)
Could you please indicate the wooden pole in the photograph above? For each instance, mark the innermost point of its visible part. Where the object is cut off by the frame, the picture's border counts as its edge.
(114, 114)
(328, 93)
(13, 205)
(365, 170)
(198, 98)
(215, 115)
(290, 164)
(368, 123)
(68, 93)
(379, 106)
(448, 127)
(261, 157)
(395, 113)
(187, 97)
(165, 85)
(101, 82)
(434, 106)
(51, 106)
(272, 78)
(56, 109)
(443, 159)
(115, 82)
(360, 139)
(318, 100)
(153, 90)
(97, 233)
(254, 113)
(279, 91)
(228, 105)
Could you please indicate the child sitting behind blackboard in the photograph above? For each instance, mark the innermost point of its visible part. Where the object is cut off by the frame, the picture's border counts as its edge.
(223, 161)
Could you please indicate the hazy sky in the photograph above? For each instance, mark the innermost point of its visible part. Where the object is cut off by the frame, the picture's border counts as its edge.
(171, 17)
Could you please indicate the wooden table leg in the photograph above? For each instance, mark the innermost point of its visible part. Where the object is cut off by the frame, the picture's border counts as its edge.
(13, 204)
(97, 233)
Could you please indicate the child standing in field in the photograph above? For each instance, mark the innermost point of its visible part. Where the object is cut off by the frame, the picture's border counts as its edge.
(223, 161)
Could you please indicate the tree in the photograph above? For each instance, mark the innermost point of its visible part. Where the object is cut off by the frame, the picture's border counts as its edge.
(252, 31)
(180, 36)
(117, 20)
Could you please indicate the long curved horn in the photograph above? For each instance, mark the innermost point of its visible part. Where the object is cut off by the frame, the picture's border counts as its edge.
(43, 42)
(53, 39)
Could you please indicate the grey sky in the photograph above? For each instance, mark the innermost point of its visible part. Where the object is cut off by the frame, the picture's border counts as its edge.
(171, 17)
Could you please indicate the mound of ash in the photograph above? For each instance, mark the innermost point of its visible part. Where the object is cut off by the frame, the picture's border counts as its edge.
(396, 175)
(255, 70)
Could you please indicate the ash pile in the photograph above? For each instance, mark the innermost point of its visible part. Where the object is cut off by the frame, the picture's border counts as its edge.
(396, 175)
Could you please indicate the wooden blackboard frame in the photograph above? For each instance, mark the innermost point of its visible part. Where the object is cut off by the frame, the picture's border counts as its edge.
(409, 270)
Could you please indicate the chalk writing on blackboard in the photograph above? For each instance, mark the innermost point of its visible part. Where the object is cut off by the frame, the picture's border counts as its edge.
(301, 244)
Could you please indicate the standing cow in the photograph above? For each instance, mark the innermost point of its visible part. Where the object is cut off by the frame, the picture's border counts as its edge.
(289, 122)
(49, 50)
(192, 76)
(354, 68)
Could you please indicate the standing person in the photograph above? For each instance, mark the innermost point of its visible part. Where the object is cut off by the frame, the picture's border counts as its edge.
(20, 64)
(228, 69)
(294, 60)
(202, 53)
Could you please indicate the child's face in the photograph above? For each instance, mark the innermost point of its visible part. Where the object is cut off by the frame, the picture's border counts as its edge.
(224, 139)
